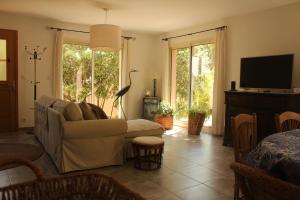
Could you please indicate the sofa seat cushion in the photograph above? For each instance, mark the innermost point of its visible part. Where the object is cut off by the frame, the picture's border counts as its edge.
(70, 110)
(142, 127)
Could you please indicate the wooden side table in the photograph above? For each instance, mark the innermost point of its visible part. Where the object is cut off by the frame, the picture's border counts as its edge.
(148, 152)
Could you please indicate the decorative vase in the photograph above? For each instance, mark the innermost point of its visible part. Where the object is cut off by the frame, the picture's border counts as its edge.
(195, 123)
(165, 121)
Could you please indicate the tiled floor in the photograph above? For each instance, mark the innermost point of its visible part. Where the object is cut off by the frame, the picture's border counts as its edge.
(194, 167)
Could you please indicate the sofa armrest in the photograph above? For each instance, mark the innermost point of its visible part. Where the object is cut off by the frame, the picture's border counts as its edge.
(94, 128)
(52, 140)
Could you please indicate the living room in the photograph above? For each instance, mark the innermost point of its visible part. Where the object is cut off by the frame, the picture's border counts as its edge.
(201, 162)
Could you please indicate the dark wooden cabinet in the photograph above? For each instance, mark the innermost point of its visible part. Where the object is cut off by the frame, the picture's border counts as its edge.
(265, 105)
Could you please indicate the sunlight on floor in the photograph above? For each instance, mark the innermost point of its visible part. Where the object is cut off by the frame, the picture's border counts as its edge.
(174, 131)
(208, 121)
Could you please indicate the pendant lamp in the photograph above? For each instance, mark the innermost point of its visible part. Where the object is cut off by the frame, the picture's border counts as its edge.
(105, 37)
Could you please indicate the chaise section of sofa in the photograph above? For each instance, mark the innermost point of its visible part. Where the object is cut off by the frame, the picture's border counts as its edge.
(137, 128)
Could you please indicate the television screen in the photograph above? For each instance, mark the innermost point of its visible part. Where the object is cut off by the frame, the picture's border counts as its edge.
(267, 72)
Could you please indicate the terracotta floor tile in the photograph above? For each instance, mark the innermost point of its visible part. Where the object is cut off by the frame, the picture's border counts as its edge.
(201, 174)
(164, 196)
(194, 167)
(200, 192)
(222, 185)
(176, 182)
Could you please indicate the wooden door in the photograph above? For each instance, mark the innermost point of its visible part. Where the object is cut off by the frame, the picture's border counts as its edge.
(8, 80)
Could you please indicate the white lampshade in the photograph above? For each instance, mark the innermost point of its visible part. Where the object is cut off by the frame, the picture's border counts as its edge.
(105, 37)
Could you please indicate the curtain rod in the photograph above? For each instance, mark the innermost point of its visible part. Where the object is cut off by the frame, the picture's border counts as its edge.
(79, 31)
(188, 34)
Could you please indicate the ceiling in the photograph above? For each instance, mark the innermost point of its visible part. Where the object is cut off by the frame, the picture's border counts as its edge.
(155, 16)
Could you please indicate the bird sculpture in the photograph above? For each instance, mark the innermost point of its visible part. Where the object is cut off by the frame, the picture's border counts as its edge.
(121, 93)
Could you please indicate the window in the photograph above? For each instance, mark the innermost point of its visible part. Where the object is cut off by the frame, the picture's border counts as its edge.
(3, 60)
(90, 76)
(192, 80)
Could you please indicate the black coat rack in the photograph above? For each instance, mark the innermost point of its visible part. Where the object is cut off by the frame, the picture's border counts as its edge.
(35, 54)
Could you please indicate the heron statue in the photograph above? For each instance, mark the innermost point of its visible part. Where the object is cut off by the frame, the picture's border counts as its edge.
(121, 93)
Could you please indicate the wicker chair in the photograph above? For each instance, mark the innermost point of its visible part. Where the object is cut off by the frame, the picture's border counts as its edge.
(244, 134)
(79, 186)
(256, 184)
(287, 121)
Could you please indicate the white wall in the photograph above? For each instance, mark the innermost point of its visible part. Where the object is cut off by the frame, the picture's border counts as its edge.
(269, 32)
(143, 58)
(32, 31)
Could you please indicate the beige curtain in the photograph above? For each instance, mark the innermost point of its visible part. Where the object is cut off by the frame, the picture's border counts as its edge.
(57, 69)
(124, 74)
(218, 111)
(166, 73)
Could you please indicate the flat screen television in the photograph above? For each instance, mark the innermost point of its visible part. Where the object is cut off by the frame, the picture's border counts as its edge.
(274, 72)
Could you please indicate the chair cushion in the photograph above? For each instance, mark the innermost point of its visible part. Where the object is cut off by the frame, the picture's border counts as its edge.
(87, 111)
(70, 110)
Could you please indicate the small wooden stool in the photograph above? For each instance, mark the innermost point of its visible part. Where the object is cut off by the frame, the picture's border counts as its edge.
(147, 152)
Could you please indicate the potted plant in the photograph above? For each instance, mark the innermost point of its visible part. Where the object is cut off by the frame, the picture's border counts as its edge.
(164, 115)
(197, 116)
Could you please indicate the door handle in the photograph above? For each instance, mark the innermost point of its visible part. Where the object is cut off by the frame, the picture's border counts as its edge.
(5, 60)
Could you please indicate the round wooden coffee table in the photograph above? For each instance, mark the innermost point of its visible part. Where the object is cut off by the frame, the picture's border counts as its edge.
(147, 152)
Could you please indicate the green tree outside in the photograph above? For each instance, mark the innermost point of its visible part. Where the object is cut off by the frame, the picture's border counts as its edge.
(77, 74)
(202, 79)
(106, 81)
(77, 59)
(182, 82)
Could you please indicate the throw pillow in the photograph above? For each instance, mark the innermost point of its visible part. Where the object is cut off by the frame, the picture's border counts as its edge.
(87, 111)
(69, 110)
(100, 114)
(72, 112)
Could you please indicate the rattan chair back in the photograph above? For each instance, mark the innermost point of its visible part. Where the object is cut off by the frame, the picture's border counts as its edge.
(79, 186)
(287, 121)
(244, 132)
(256, 184)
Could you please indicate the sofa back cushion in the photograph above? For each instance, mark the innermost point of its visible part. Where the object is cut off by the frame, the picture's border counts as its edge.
(70, 110)
(100, 114)
(87, 111)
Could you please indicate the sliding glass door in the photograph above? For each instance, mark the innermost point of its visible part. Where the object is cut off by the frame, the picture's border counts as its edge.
(181, 83)
(192, 80)
(91, 76)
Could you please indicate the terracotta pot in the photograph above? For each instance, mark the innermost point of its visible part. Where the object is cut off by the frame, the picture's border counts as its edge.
(195, 123)
(165, 121)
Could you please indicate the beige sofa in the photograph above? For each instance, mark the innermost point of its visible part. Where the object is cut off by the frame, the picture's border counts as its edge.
(77, 144)
(80, 144)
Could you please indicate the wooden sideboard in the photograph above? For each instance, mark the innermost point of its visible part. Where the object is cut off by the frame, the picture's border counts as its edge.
(265, 105)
